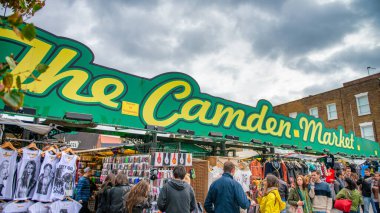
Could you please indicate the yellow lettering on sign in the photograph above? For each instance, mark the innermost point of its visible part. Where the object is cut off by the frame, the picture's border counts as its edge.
(129, 108)
(74, 79)
(198, 109)
(310, 127)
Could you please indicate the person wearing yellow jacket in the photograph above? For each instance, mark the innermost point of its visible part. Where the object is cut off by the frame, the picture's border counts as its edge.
(270, 200)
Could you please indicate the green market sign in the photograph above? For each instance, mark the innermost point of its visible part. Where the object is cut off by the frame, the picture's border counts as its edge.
(171, 100)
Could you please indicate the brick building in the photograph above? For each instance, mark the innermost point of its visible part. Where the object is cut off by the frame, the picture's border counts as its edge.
(355, 106)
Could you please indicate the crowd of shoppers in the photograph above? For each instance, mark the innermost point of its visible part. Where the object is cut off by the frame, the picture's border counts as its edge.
(308, 194)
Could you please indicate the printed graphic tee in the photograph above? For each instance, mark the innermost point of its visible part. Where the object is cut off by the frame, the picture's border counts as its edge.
(8, 164)
(63, 184)
(20, 207)
(45, 178)
(27, 175)
(40, 208)
(65, 206)
(244, 178)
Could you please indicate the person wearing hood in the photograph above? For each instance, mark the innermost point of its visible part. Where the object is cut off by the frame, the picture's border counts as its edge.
(177, 195)
(270, 200)
(226, 194)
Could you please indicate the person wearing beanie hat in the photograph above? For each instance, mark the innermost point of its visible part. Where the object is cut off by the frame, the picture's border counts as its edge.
(83, 192)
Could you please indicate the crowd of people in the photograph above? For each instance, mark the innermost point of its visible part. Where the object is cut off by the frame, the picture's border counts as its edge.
(308, 194)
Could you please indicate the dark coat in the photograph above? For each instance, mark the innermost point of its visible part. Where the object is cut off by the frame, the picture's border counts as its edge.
(102, 200)
(176, 196)
(226, 195)
(116, 198)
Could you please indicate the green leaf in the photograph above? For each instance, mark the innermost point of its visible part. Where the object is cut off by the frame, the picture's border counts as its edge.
(29, 32)
(11, 62)
(37, 7)
(15, 19)
(8, 80)
(22, 4)
(18, 82)
(14, 99)
(41, 68)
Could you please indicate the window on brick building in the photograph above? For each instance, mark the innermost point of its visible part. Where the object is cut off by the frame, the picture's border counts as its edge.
(293, 114)
(331, 112)
(363, 104)
(366, 130)
(314, 112)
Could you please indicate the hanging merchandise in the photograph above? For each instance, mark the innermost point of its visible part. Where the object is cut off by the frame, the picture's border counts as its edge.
(67, 206)
(182, 159)
(46, 177)
(192, 174)
(39, 207)
(64, 177)
(243, 176)
(17, 206)
(28, 170)
(166, 159)
(189, 159)
(7, 172)
(174, 159)
(160, 159)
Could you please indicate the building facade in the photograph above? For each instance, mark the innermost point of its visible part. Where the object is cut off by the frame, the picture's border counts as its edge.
(355, 107)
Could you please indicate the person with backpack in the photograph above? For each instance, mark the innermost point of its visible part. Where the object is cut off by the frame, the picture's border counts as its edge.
(102, 194)
(118, 193)
(270, 200)
(350, 192)
(299, 196)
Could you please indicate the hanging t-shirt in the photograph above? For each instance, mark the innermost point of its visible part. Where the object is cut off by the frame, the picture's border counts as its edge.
(244, 178)
(19, 207)
(65, 206)
(45, 178)
(8, 164)
(27, 175)
(64, 177)
(40, 208)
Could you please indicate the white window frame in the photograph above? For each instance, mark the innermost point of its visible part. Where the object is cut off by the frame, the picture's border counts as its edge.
(328, 112)
(314, 108)
(357, 96)
(293, 115)
(364, 125)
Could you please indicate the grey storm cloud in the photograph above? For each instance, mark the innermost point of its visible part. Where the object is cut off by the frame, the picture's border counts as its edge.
(301, 27)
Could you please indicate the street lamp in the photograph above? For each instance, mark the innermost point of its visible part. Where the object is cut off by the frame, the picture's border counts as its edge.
(370, 68)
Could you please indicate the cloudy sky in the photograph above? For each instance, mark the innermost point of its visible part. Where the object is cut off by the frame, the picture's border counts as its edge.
(279, 50)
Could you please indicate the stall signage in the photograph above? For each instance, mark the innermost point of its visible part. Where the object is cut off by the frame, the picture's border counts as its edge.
(73, 83)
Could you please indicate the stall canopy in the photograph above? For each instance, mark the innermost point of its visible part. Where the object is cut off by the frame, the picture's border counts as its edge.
(36, 128)
(75, 90)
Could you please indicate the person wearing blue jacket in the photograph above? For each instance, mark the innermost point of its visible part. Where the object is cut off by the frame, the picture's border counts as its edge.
(226, 194)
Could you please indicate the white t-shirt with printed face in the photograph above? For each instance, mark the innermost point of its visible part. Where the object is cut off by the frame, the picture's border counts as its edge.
(244, 178)
(8, 165)
(20, 207)
(29, 168)
(65, 207)
(40, 208)
(46, 178)
(63, 184)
